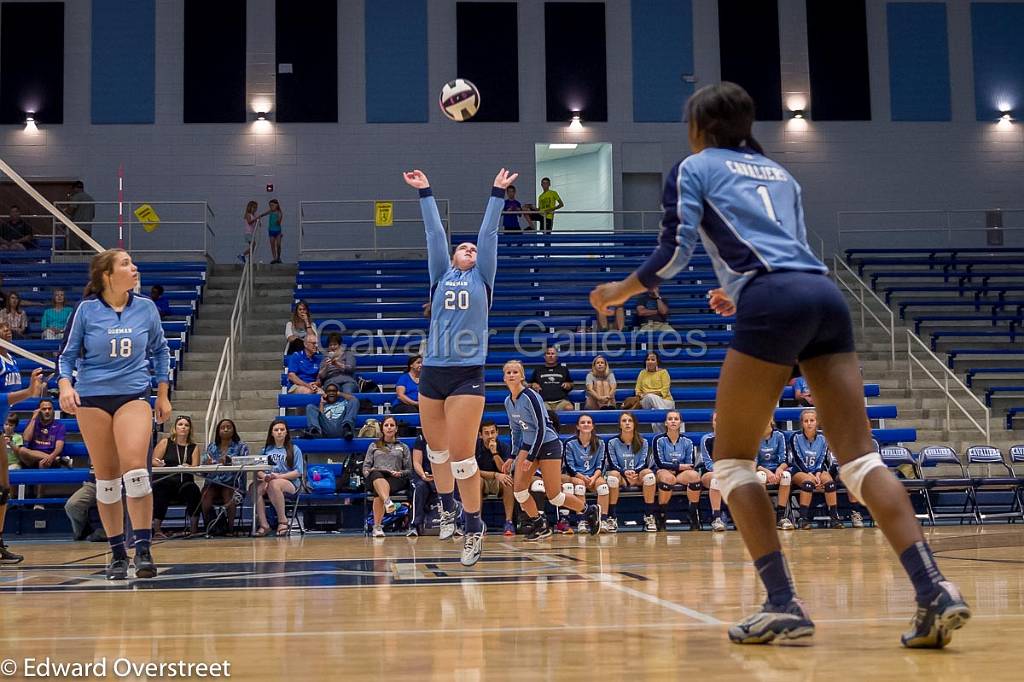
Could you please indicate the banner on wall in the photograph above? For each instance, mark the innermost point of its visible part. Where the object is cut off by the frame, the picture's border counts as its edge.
(148, 217)
(383, 213)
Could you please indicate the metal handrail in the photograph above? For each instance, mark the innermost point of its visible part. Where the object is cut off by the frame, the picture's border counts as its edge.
(227, 366)
(891, 329)
(442, 205)
(944, 385)
(943, 222)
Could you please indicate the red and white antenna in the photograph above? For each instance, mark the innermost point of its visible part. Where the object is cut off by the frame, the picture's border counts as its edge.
(120, 206)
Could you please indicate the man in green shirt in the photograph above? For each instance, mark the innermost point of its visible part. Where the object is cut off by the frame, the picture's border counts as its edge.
(11, 442)
(548, 202)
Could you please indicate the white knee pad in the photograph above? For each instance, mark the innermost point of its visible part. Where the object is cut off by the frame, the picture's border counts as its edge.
(437, 456)
(537, 486)
(568, 488)
(613, 481)
(603, 489)
(558, 500)
(853, 473)
(763, 477)
(734, 473)
(713, 484)
(649, 480)
(521, 496)
(786, 478)
(580, 490)
(108, 492)
(136, 483)
(464, 468)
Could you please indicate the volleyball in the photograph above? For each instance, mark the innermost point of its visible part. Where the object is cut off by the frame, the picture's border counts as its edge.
(459, 99)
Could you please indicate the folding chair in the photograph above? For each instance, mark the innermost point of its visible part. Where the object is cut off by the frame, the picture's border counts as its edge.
(901, 462)
(943, 472)
(990, 473)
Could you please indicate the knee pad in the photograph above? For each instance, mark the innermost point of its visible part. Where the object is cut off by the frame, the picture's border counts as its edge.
(855, 472)
(5, 494)
(763, 477)
(108, 492)
(830, 487)
(521, 496)
(667, 487)
(537, 486)
(694, 486)
(464, 468)
(437, 456)
(807, 487)
(649, 480)
(785, 478)
(580, 490)
(136, 483)
(603, 489)
(558, 500)
(735, 473)
(613, 481)
(713, 484)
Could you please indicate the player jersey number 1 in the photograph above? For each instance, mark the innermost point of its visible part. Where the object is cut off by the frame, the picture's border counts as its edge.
(762, 191)
(121, 347)
(456, 300)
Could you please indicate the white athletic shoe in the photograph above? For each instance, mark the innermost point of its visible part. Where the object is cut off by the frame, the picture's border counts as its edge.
(390, 506)
(473, 547)
(857, 519)
(650, 525)
(718, 525)
(447, 520)
(611, 525)
(378, 531)
(582, 528)
(785, 524)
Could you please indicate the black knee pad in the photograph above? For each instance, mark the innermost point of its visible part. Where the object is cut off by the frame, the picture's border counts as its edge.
(5, 494)
(807, 487)
(667, 487)
(694, 486)
(830, 487)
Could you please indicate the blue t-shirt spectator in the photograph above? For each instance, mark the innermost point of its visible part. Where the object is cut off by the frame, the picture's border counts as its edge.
(510, 221)
(412, 389)
(304, 366)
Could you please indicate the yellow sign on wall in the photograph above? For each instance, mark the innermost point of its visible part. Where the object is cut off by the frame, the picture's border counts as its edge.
(148, 217)
(383, 213)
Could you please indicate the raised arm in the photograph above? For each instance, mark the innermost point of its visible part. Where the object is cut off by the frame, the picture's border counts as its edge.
(438, 258)
(487, 240)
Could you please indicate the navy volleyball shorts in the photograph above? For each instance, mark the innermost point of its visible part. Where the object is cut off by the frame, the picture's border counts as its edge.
(439, 383)
(549, 450)
(786, 317)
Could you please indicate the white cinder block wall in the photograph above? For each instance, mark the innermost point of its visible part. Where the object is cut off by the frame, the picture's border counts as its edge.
(875, 165)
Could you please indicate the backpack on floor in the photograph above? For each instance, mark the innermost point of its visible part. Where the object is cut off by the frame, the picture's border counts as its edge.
(320, 479)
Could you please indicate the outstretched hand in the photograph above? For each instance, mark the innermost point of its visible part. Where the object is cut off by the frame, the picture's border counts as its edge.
(416, 178)
(720, 302)
(504, 178)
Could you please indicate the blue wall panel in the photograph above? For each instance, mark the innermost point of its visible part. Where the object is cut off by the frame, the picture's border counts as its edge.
(996, 32)
(918, 61)
(662, 53)
(396, 61)
(123, 61)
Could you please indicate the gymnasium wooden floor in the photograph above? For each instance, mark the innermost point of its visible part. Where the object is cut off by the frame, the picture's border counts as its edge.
(632, 605)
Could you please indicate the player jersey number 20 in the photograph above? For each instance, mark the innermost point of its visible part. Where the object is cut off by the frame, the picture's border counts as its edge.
(456, 300)
(121, 348)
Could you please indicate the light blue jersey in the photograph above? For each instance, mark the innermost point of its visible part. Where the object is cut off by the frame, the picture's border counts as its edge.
(584, 459)
(707, 449)
(771, 453)
(811, 457)
(622, 458)
(669, 455)
(528, 420)
(746, 209)
(460, 301)
(277, 457)
(111, 350)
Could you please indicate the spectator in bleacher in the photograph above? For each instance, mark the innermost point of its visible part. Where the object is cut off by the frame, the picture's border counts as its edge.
(299, 327)
(491, 458)
(407, 389)
(284, 478)
(334, 417)
(81, 208)
(424, 490)
(802, 392)
(339, 366)
(11, 441)
(225, 488)
(675, 463)
(618, 316)
(387, 469)
(252, 221)
(600, 386)
(79, 509)
(177, 450)
(511, 213)
(654, 388)
(773, 469)
(15, 233)
(304, 368)
(163, 306)
(811, 464)
(44, 439)
(55, 318)
(548, 202)
(652, 312)
(274, 228)
(629, 464)
(552, 381)
(707, 479)
(13, 316)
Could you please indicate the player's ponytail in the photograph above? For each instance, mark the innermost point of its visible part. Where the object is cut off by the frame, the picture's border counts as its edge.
(724, 114)
(101, 264)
